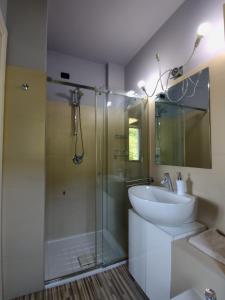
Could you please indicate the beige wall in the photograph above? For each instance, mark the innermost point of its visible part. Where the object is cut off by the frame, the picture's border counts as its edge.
(190, 267)
(207, 184)
(73, 212)
(3, 44)
(24, 182)
(193, 269)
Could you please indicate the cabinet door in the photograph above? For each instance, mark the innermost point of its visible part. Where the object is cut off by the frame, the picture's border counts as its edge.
(158, 263)
(137, 248)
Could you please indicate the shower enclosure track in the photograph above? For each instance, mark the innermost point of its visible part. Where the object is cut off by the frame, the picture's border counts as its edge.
(80, 86)
(89, 87)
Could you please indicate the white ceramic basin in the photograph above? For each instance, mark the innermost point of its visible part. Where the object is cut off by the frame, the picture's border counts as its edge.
(162, 207)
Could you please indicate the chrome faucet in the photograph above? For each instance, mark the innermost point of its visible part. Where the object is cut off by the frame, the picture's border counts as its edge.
(210, 294)
(166, 180)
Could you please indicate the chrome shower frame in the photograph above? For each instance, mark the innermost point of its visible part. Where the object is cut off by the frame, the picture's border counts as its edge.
(91, 88)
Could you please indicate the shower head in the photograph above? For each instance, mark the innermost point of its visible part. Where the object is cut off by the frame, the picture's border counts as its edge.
(78, 158)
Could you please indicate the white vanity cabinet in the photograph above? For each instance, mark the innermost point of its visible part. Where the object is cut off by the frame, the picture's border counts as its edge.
(149, 257)
(150, 254)
(137, 248)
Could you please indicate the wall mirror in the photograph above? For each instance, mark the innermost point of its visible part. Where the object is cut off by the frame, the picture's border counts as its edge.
(182, 123)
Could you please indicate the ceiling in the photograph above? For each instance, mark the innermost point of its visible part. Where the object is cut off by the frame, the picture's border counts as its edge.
(105, 30)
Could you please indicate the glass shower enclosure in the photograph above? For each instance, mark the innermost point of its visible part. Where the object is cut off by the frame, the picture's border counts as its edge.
(87, 203)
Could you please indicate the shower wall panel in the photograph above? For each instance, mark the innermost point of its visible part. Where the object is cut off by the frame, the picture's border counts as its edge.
(70, 193)
(70, 203)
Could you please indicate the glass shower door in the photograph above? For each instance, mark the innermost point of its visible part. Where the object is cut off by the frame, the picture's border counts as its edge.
(87, 204)
(70, 224)
(125, 160)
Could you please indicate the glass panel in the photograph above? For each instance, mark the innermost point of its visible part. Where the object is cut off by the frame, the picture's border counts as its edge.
(134, 143)
(126, 158)
(70, 188)
(114, 202)
(169, 134)
(87, 203)
(100, 139)
(136, 118)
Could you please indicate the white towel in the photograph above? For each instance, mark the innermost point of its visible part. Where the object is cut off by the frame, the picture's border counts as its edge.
(212, 243)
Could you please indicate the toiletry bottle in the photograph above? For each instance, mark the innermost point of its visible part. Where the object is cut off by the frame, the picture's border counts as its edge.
(180, 185)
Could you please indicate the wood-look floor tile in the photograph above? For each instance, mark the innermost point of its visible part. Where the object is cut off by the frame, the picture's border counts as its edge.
(114, 284)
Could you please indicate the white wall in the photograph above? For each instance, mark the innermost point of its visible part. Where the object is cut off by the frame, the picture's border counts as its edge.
(81, 71)
(174, 42)
(3, 5)
(27, 26)
(115, 77)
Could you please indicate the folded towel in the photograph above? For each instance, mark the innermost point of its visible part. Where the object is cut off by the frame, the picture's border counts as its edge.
(211, 242)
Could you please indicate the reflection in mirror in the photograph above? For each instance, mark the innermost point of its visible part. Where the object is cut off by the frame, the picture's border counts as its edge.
(137, 128)
(134, 138)
(182, 123)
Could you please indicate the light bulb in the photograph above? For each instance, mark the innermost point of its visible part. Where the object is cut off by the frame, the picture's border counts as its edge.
(141, 84)
(130, 94)
(109, 103)
(204, 29)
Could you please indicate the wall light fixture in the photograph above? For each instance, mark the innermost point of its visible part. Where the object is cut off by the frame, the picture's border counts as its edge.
(203, 30)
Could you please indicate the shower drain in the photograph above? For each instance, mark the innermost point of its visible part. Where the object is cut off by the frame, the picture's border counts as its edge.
(86, 260)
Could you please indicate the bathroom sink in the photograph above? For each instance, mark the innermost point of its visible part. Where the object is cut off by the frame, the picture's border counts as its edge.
(162, 207)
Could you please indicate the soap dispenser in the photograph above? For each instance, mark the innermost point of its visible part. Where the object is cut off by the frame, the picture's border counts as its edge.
(180, 185)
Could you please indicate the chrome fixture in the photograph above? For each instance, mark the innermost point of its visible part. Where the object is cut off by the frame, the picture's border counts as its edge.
(78, 133)
(166, 180)
(25, 87)
(67, 83)
(93, 88)
(141, 181)
(210, 294)
(141, 84)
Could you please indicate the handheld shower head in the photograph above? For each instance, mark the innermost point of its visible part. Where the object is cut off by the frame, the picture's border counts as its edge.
(78, 158)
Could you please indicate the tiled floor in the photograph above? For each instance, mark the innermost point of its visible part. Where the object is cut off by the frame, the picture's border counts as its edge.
(66, 256)
(115, 284)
